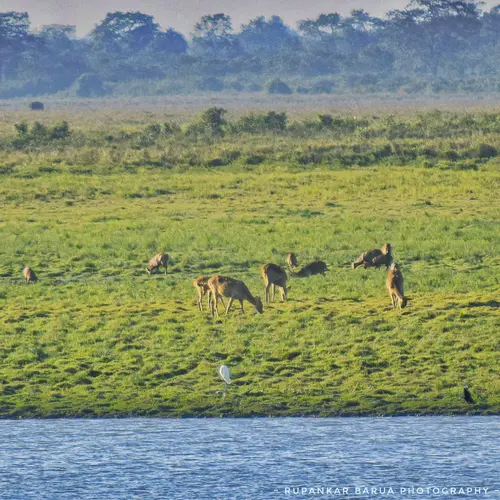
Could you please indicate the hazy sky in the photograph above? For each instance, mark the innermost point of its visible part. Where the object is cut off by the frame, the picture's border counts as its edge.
(183, 14)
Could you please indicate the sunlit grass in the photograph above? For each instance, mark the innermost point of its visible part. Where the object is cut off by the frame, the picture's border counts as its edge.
(98, 336)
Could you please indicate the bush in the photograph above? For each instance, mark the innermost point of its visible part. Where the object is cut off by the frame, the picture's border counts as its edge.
(484, 151)
(211, 84)
(155, 131)
(325, 121)
(278, 86)
(275, 122)
(60, 131)
(258, 124)
(39, 134)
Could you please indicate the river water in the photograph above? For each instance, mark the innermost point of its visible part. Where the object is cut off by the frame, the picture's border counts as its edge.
(403, 457)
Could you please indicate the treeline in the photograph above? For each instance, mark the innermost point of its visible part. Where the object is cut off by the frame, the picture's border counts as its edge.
(430, 46)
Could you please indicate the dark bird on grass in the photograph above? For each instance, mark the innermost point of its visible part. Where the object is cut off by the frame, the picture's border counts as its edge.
(468, 396)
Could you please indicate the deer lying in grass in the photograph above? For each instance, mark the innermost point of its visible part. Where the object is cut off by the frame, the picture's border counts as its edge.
(223, 286)
(317, 267)
(157, 261)
(29, 275)
(202, 288)
(274, 276)
(291, 261)
(394, 285)
(375, 258)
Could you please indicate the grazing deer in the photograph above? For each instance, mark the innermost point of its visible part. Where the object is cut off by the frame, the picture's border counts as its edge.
(29, 275)
(317, 267)
(157, 261)
(273, 276)
(202, 288)
(223, 286)
(394, 285)
(291, 261)
(375, 258)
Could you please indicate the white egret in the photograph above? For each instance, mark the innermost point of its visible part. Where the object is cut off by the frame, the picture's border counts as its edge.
(224, 373)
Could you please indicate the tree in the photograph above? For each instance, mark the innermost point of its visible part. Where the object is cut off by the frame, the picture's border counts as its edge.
(170, 42)
(359, 29)
(130, 31)
(14, 39)
(213, 27)
(14, 27)
(213, 120)
(321, 34)
(274, 35)
(429, 30)
(213, 36)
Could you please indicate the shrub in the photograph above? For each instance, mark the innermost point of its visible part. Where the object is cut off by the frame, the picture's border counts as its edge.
(39, 134)
(484, 151)
(60, 131)
(275, 122)
(278, 86)
(210, 122)
(213, 119)
(258, 124)
(325, 121)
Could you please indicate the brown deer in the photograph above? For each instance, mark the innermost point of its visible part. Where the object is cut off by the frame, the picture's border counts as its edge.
(394, 285)
(202, 288)
(157, 261)
(273, 276)
(223, 286)
(317, 267)
(291, 261)
(29, 275)
(375, 258)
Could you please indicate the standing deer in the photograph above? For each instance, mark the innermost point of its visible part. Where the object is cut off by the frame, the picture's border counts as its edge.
(29, 275)
(291, 261)
(157, 261)
(394, 285)
(375, 258)
(223, 286)
(317, 267)
(273, 276)
(202, 288)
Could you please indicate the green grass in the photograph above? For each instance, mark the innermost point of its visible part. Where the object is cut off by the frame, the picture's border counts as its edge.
(97, 336)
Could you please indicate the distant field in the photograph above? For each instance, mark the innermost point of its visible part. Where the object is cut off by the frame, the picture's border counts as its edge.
(184, 107)
(97, 336)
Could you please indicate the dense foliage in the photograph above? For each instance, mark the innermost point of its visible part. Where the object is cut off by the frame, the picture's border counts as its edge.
(430, 46)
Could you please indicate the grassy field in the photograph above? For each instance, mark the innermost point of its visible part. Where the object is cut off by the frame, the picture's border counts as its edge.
(97, 336)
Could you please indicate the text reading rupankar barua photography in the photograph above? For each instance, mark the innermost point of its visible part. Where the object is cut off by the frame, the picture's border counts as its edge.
(250, 211)
(419, 491)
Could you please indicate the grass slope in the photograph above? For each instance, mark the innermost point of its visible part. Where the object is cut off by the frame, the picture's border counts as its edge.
(98, 337)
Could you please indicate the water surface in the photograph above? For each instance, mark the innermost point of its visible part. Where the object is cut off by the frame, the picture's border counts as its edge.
(250, 458)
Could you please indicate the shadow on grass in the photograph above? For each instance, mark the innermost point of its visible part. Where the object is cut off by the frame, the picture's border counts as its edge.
(490, 303)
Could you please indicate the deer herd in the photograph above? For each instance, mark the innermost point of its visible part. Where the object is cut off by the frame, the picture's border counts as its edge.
(218, 287)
